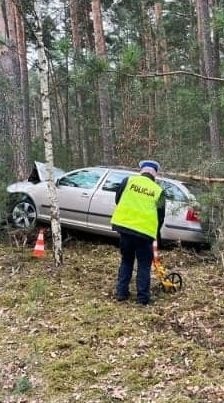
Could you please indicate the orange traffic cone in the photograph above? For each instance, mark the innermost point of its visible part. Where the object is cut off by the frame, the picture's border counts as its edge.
(38, 250)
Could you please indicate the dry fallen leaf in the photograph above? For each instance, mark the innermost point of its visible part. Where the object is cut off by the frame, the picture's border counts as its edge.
(119, 393)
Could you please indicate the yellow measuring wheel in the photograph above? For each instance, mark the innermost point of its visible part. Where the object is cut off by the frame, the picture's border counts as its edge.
(170, 282)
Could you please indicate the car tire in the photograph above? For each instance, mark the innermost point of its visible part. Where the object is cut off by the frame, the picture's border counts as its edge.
(24, 214)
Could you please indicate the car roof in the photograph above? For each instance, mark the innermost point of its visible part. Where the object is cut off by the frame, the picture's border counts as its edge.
(136, 170)
(122, 168)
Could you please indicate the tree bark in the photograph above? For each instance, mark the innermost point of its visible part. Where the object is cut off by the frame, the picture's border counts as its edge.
(216, 39)
(103, 91)
(66, 96)
(11, 69)
(76, 41)
(24, 81)
(161, 45)
(149, 65)
(208, 57)
(47, 134)
(58, 104)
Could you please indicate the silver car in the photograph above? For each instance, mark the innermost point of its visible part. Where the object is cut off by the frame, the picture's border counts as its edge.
(86, 199)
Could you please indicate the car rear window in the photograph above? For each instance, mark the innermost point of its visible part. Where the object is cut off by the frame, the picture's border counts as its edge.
(172, 191)
(197, 189)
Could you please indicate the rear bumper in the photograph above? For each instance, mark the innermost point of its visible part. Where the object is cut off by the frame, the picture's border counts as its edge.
(186, 234)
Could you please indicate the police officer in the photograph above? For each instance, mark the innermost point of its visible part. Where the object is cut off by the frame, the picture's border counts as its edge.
(138, 217)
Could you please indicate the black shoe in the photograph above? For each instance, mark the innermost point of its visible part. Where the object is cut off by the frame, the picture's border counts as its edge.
(122, 297)
(145, 303)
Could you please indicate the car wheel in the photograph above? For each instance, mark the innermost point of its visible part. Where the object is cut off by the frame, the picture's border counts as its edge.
(24, 215)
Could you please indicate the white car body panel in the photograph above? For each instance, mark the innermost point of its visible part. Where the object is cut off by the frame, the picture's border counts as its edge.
(90, 209)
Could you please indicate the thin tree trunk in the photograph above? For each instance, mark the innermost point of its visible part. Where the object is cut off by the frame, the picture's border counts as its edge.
(83, 137)
(47, 134)
(104, 97)
(200, 43)
(59, 110)
(162, 65)
(208, 57)
(216, 39)
(34, 126)
(161, 46)
(149, 47)
(66, 103)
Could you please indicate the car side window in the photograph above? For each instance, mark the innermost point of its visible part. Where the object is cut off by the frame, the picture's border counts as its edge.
(172, 191)
(114, 180)
(86, 179)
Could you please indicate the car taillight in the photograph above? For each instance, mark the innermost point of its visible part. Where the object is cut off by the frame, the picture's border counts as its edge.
(192, 215)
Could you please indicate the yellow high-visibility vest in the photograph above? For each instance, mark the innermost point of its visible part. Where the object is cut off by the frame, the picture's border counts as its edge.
(137, 207)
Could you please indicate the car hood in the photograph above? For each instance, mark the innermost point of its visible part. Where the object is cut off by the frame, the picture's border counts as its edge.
(42, 171)
(38, 174)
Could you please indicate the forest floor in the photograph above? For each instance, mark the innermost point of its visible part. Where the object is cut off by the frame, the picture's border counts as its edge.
(64, 338)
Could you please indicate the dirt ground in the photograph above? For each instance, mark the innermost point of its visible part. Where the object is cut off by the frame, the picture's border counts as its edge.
(64, 338)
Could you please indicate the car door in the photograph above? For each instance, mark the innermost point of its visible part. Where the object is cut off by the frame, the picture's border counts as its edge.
(103, 202)
(74, 192)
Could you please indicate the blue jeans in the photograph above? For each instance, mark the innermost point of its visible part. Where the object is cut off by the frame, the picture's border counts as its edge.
(131, 247)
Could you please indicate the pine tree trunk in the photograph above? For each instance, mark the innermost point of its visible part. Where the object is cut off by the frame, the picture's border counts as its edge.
(24, 82)
(200, 43)
(11, 69)
(47, 133)
(161, 46)
(66, 96)
(76, 41)
(103, 91)
(215, 4)
(208, 58)
(150, 58)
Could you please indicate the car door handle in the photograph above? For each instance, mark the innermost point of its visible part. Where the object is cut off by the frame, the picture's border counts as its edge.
(85, 195)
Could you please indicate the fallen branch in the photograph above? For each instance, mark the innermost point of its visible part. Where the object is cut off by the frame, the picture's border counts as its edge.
(176, 73)
(194, 177)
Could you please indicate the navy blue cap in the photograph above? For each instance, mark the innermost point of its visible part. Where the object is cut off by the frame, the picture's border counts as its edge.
(149, 164)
